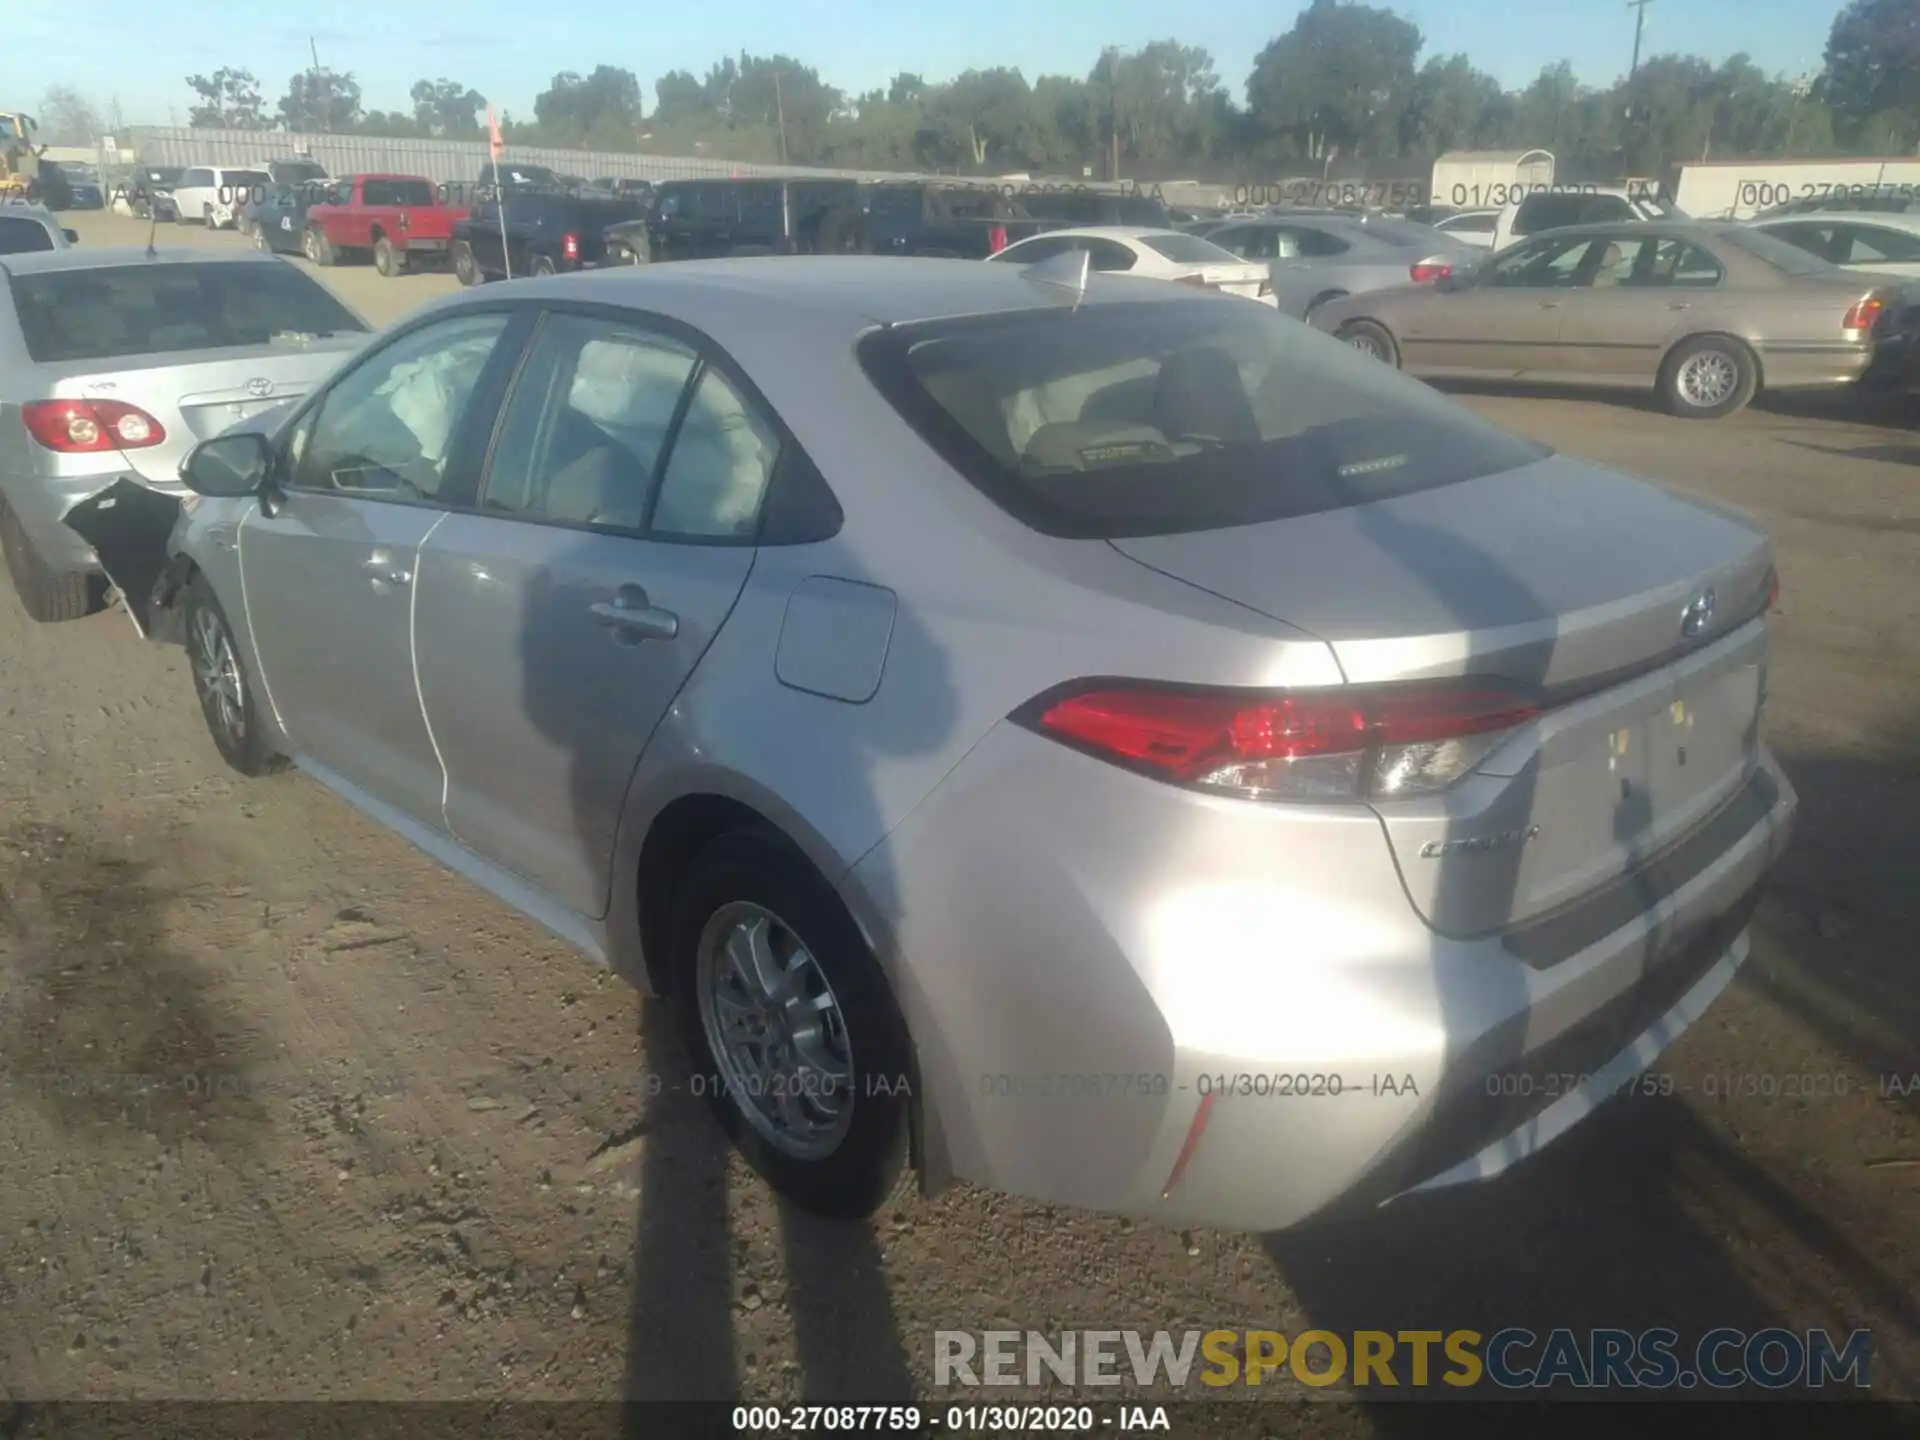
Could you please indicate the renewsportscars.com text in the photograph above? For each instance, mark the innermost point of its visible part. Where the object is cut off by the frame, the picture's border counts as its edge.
(1511, 1359)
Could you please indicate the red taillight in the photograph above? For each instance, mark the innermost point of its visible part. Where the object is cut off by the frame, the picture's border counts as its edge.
(996, 239)
(79, 427)
(570, 246)
(1334, 744)
(1427, 271)
(1862, 314)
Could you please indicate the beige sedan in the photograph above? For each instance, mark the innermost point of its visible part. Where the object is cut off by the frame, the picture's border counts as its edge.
(1707, 314)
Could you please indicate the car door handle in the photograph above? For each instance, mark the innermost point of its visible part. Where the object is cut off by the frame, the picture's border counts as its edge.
(381, 568)
(1549, 304)
(633, 617)
(1679, 304)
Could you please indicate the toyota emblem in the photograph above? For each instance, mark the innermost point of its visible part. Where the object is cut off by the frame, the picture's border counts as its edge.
(260, 387)
(1698, 614)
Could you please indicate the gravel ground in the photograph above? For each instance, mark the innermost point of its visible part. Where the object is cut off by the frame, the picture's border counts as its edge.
(400, 1143)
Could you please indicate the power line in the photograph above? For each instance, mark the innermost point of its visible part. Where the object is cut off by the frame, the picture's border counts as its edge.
(1639, 25)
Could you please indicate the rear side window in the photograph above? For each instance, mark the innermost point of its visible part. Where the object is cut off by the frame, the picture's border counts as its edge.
(1129, 419)
(1548, 212)
(101, 312)
(1777, 253)
(18, 236)
(1188, 249)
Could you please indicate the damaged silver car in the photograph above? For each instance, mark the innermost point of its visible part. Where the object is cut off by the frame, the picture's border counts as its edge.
(114, 364)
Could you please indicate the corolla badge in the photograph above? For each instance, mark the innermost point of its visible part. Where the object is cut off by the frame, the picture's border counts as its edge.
(1478, 844)
(260, 388)
(1698, 614)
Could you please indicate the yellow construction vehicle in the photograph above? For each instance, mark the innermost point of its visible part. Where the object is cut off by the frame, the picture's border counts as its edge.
(20, 152)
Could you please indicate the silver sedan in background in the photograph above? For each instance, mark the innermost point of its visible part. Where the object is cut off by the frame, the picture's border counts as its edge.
(1315, 257)
(1704, 313)
(114, 364)
(1100, 740)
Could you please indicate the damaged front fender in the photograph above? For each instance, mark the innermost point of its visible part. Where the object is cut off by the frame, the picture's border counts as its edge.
(130, 527)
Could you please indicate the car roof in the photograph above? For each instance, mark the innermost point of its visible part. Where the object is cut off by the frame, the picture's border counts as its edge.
(877, 289)
(115, 256)
(32, 209)
(1891, 219)
(1112, 232)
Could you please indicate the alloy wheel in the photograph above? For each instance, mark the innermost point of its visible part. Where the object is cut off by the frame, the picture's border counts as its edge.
(1707, 378)
(776, 1030)
(216, 675)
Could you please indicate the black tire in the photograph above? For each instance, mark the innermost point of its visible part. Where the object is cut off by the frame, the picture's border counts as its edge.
(843, 232)
(387, 259)
(318, 248)
(1322, 298)
(47, 595)
(761, 868)
(1709, 377)
(542, 265)
(465, 268)
(1372, 338)
(242, 744)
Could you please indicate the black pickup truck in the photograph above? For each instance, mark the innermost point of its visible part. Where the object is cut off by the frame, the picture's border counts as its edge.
(551, 228)
(962, 222)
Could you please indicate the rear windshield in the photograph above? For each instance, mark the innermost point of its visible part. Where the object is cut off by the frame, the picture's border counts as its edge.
(1777, 253)
(245, 179)
(397, 192)
(105, 312)
(1130, 419)
(1406, 232)
(18, 236)
(1188, 249)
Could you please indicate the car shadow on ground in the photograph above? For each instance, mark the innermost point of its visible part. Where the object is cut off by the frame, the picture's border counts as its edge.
(1887, 454)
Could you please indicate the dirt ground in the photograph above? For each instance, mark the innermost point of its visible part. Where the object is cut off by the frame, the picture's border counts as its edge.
(289, 1111)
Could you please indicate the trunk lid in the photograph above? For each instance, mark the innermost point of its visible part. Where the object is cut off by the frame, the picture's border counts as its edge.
(197, 398)
(1626, 609)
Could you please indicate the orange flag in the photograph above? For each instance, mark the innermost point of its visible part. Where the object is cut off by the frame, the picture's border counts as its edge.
(493, 134)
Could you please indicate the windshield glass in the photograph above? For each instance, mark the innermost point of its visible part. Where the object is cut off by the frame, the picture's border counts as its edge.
(1149, 419)
(1778, 253)
(107, 311)
(1188, 249)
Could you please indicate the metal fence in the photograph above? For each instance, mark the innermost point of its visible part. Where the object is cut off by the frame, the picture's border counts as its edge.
(445, 161)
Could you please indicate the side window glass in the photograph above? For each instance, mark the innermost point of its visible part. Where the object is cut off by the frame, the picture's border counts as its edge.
(717, 472)
(586, 424)
(1108, 256)
(386, 429)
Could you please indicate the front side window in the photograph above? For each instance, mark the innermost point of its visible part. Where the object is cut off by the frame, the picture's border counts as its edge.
(386, 428)
(1543, 265)
(1108, 256)
(17, 236)
(587, 422)
(1125, 419)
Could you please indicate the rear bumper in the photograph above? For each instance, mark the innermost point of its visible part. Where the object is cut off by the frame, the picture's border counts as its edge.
(1802, 367)
(1104, 975)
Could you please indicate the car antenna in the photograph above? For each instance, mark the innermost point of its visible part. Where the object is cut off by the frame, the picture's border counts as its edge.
(1064, 277)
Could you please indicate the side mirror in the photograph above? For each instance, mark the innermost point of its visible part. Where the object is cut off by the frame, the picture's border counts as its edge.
(228, 466)
(73, 236)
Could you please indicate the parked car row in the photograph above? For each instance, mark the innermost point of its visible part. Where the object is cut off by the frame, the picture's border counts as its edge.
(944, 682)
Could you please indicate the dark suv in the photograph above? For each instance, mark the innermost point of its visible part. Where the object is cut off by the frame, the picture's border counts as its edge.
(707, 219)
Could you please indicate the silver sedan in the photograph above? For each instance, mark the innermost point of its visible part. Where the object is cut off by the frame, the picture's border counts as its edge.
(1084, 735)
(1315, 258)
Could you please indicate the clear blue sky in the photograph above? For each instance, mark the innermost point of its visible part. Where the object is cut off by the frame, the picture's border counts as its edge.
(509, 50)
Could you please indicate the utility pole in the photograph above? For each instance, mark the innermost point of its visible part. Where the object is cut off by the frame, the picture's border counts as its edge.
(780, 108)
(1639, 7)
(326, 104)
(1113, 114)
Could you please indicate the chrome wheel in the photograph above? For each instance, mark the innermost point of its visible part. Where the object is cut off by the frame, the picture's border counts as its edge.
(260, 241)
(776, 1030)
(216, 675)
(1367, 345)
(310, 246)
(1708, 378)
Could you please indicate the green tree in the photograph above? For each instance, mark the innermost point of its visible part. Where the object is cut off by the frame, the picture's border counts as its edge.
(446, 109)
(1452, 106)
(604, 106)
(229, 99)
(1339, 79)
(1872, 79)
(322, 100)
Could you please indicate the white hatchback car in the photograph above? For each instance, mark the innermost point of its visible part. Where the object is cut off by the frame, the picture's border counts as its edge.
(1151, 254)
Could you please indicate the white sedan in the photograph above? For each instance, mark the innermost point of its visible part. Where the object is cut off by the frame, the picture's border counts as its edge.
(1868, 241)
(1154, 254)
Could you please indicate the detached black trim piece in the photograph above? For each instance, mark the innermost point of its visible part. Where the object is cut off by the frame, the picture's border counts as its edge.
(1558, 936)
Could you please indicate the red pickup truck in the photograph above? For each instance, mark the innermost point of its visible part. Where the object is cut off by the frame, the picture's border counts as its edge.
(397, 221)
